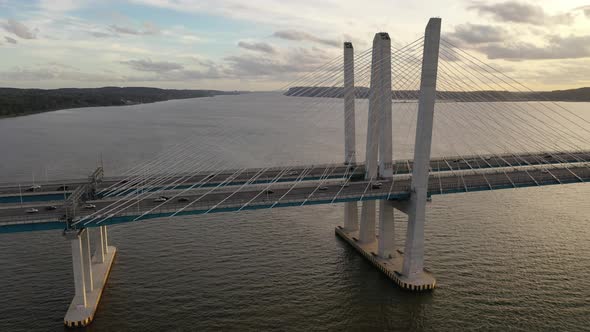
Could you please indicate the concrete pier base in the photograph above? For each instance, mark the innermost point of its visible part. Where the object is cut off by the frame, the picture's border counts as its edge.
(392, 266)
(79, 315)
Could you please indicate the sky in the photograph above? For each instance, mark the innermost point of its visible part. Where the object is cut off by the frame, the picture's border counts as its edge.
(265, 44)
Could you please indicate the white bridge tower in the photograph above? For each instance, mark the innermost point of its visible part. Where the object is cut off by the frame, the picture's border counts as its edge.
(406, 270)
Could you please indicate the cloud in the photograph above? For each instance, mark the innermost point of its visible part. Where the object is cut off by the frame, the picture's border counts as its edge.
(124, 30)
(294, 60)
(148, 28)
(18, 29)
(151, 66)
(10, 40)
(99, 34)
(584, 9)
(518, 12)
(304, 36)
(190, 75)
(557, 47)
(259, 47)
(478, 34)
(55, 73)
(571, 73)
(171, 71)
(61, 5)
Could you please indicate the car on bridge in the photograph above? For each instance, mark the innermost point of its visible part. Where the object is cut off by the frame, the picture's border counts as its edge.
(161, 199)
(50, 208)
(376, 185)
(34, 187)
(60, 188)
(31, 210)
(89, 206)
(183, 199)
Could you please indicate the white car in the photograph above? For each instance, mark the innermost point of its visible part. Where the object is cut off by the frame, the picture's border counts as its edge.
(160, 199)
(90, 206)
(34, 187)
(323, 188)
(31, 210)
(376, 185)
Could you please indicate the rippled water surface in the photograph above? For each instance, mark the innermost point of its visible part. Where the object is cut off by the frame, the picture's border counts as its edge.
(504, 260)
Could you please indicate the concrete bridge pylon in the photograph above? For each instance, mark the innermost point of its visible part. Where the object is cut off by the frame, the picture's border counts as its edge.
(405, 268)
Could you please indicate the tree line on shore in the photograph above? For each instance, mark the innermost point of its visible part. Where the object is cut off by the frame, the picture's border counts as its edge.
(16, 102)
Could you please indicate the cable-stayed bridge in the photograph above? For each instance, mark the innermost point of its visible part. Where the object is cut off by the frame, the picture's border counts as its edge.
(515, 141)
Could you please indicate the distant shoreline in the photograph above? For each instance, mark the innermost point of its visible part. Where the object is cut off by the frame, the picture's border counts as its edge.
(571, 95)
(21, 102)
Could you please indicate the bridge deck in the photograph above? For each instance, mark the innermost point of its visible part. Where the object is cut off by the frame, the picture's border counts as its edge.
(224, 199)
(54, 190)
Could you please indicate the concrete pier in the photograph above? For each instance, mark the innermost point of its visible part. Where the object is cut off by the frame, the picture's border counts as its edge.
(90, 275)
(390, 266)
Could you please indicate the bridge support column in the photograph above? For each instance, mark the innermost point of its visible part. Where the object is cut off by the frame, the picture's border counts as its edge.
(104, 236)
(386, 247)
(90, 275)
(78, 266)
(351, 219)
(413, 272)
(367, 229)
(86, 260)
(350, 208)
(100, 245)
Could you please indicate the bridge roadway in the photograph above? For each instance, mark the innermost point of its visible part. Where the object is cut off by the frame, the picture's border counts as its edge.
(53, 190)
(211, 200)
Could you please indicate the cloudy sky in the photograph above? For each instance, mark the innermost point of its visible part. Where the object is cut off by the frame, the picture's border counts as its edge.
(263, 44)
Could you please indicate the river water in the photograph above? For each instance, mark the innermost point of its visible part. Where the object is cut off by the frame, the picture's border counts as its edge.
(504, 260)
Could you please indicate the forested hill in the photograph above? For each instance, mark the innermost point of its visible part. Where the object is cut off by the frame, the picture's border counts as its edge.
(581, 94)
(15, 102)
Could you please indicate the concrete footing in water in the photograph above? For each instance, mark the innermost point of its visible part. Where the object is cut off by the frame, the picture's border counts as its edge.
(391, 266)
(79, 315)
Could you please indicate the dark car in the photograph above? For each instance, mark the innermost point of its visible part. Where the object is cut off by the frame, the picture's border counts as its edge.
(62, 188)
(50, 208)
(183, 199)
